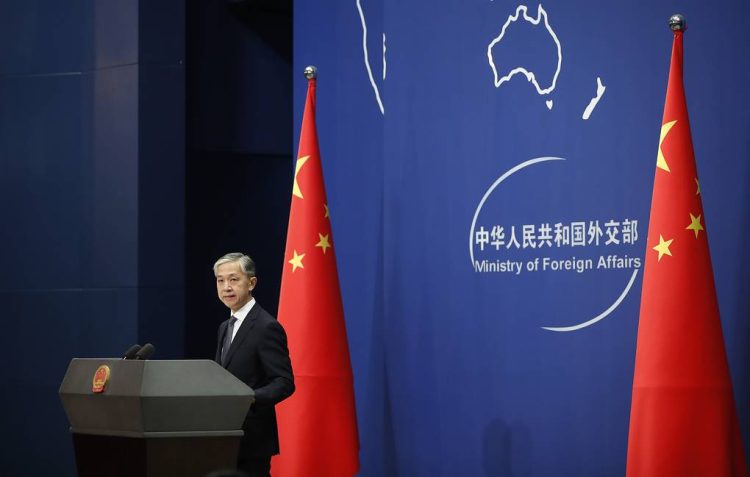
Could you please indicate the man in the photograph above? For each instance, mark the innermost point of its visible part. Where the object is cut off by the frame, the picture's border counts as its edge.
(252, 346)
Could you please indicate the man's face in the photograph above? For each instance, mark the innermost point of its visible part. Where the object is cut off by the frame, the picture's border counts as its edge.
(233, 286)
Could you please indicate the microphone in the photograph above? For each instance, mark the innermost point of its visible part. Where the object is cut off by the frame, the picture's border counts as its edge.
(130, 353)
(146, 352)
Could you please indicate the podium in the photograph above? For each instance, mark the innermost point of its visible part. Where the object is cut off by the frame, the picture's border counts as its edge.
(153, 418)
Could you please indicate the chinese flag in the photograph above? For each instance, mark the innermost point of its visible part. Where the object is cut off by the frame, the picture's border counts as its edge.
(318, 423)
(683, 420)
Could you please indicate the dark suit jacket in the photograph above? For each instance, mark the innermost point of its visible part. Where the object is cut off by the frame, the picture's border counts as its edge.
(260, 358)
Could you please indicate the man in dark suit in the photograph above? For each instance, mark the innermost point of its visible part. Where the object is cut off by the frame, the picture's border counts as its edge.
(252, 346)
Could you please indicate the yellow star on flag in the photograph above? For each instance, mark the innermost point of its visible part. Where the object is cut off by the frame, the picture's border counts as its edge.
(663, 247)
(296, 261)
(324, 242)
(296, 191)
(698, 187)
(327, 214)
(695, 224)
(661, 163)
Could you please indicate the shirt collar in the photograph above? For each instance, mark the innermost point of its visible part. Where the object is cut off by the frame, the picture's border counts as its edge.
(242, 312)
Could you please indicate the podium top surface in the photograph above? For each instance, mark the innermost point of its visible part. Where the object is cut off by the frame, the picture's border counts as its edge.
(201, 377)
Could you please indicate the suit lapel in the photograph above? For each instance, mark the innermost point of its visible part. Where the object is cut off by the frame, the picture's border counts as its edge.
(243, 332)
(222, 331)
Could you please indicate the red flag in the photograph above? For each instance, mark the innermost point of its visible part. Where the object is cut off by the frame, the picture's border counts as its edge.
(683, 420)
(318, 423)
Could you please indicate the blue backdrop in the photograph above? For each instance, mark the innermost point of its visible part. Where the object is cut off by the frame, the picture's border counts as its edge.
(489, 168)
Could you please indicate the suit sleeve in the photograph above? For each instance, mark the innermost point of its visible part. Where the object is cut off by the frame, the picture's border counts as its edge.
(276, 365)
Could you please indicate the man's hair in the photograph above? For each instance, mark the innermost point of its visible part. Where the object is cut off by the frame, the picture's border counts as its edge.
(246, 263)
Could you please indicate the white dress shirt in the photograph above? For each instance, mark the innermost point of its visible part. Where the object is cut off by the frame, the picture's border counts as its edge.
(241, 314)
